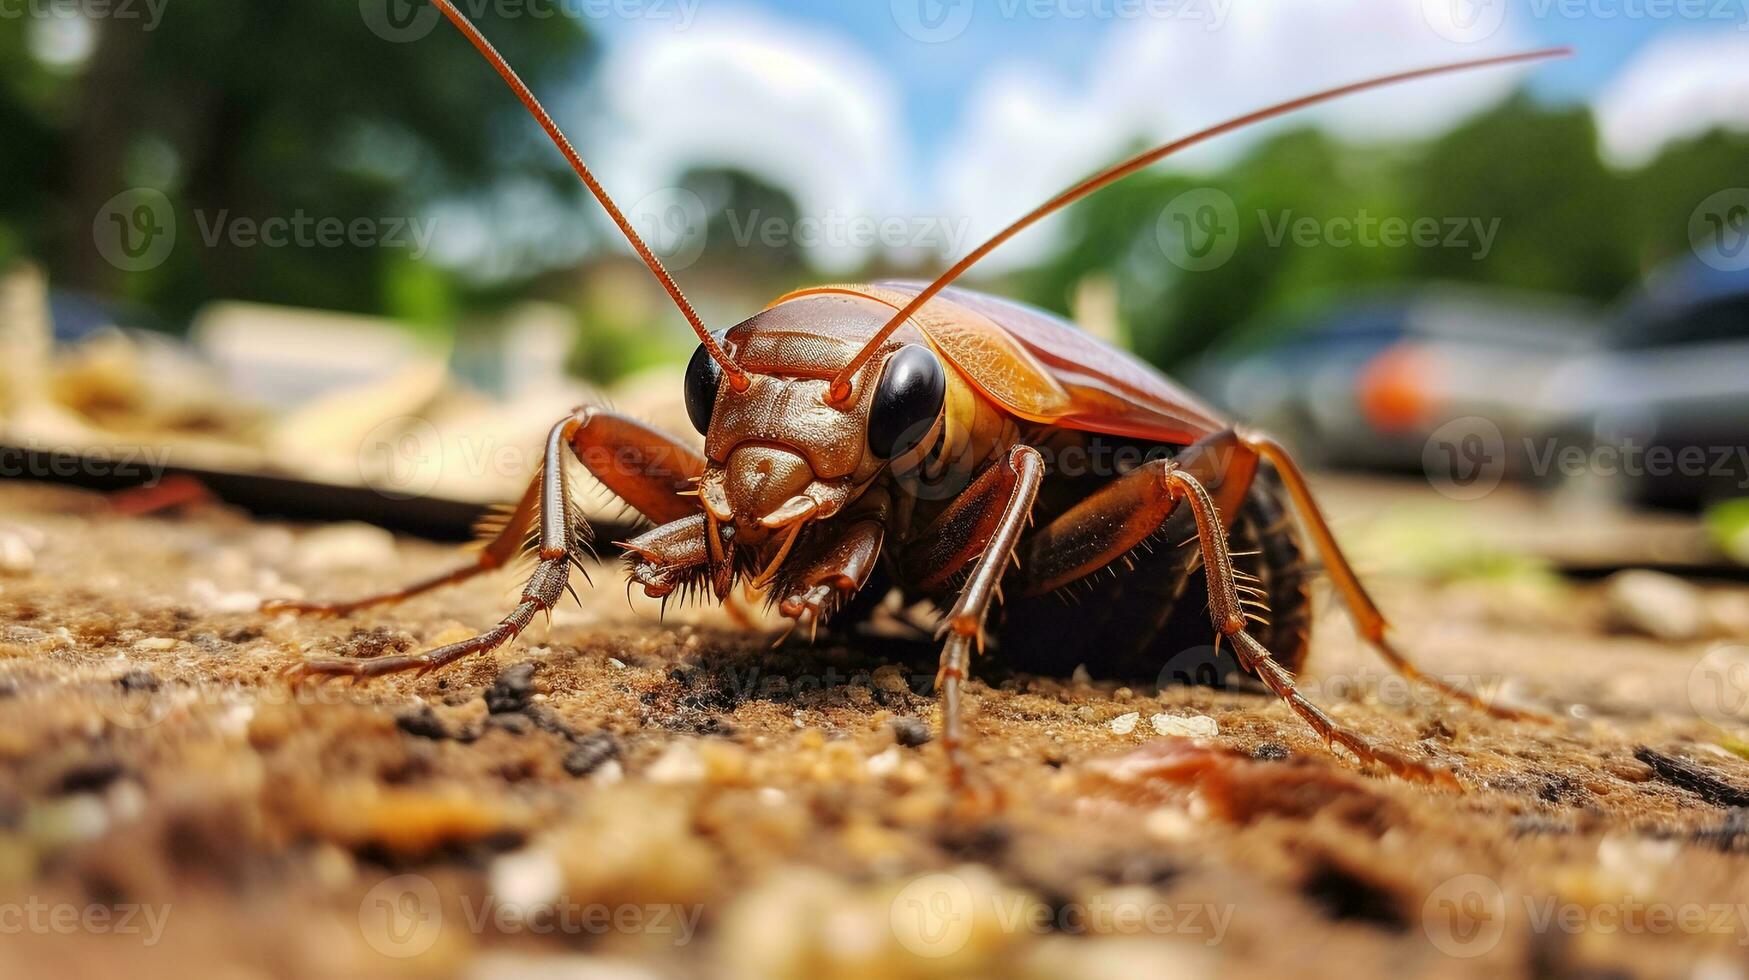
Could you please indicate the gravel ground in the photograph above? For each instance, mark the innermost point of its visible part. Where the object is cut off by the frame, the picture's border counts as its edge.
(624, 796)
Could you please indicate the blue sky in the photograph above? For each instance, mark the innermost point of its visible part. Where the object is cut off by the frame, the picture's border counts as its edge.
(860, 112)
(933, 78)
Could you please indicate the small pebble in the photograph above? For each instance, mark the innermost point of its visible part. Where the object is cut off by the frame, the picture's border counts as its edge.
(909, 732)
(525, 880)
(510, 722)
(1270, 752)
(1192, 726)
(344, 546)
(513, 689)
(1654, 604)
(423, 722)
(17, 555)
(156, 644)
(590, 752)
(680, 764)
(884, 763)
(138, 679)
(1124, 724)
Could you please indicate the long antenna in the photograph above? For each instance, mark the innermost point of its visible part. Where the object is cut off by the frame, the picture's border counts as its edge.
(840, 390)
(736, 376)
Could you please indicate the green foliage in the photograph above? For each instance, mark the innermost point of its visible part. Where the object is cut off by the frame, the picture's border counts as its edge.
(249, 112)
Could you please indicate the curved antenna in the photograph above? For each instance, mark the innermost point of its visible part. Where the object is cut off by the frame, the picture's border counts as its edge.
(737, 378)
(840, 390)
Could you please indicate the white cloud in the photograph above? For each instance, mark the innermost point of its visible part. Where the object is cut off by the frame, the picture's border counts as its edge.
(800, 109)
(1677, 87)
(1024, 138)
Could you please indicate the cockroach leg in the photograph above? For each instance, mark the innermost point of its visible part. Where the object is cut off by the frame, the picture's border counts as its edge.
(642, 466)
(562, 533)
(1228, 615)
(1123, 514)
(502, 539)
(647, 468)
(1369, 622)
(833, 571)
(964, 624)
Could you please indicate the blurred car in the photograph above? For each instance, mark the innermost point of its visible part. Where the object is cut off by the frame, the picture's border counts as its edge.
(1369, 383)
(1659, 414)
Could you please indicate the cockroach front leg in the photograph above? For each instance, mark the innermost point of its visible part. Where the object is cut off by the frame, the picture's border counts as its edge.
(645, 468)
(1125, 513)
(835, 569)
(982, 526)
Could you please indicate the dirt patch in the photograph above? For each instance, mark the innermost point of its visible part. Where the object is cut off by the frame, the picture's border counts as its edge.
(621, 795)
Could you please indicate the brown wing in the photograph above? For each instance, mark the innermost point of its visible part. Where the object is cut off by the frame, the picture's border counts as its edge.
(1045, 369)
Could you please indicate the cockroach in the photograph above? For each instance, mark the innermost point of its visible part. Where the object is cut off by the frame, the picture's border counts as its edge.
(864, 437)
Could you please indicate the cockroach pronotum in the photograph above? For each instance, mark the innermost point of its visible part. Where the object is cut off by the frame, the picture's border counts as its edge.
(859, 438)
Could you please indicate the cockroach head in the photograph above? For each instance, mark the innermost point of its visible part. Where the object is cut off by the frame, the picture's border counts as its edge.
(778, 450)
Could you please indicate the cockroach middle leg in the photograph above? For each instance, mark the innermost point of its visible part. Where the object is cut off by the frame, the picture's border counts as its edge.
(647, 469)
(1369, 622)
(1228, 615)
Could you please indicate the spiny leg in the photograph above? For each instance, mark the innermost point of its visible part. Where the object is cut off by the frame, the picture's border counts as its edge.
(1122, 515)
(502, 538)
(1369, 622)
(1228, 615)
(827, 575)
(1021, 473)
(639, 464)
(562, 534)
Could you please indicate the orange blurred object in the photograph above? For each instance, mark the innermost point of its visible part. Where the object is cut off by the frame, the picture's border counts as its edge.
(1394, 390)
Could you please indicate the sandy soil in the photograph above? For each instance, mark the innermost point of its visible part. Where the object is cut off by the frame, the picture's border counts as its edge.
(619, 796)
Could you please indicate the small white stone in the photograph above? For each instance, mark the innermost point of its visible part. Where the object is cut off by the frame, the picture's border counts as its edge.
(343, 546)
(884, 763)
(1191, 726)
(1124, 724)
(1655, 604)
(616, 663)
(525, 879)
(680, 764)
(17, 554)
(607, 773)
(156, 643)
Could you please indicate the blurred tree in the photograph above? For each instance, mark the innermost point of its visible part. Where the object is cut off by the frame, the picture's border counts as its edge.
(366, 111)
(1561, 220)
